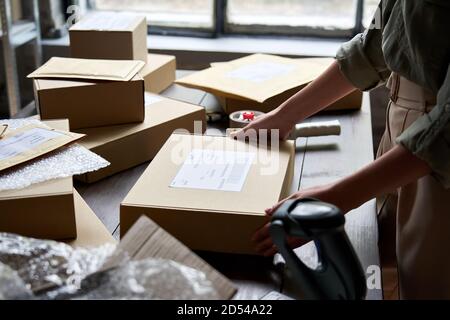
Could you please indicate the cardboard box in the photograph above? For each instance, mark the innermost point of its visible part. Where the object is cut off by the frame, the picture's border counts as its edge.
(44, 210)
(127, 146)
(213, 219)
(159, 72)
(262, 82)
(110, 35)
(147, 240)
(91, 103)
(16, 10)
(90, 230)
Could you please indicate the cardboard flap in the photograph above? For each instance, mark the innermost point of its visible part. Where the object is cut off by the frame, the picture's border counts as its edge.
(147, 240)
(30, 142)
(257, 77)
(71, 68)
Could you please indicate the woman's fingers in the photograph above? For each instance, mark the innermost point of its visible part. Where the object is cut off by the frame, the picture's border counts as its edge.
(262, 233)
(264, 246)
(271, 211)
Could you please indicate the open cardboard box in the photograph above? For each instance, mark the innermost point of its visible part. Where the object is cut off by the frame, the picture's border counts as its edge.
(44, 210)
(222, 215)
(262, 82)
(90, 93)
(145, 239)
(110, 35)
(126, 146)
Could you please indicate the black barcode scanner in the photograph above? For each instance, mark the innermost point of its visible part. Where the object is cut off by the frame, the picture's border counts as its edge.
(339, 275)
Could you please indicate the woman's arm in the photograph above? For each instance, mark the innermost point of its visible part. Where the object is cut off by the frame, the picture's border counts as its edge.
(319, 94)
(396, 168)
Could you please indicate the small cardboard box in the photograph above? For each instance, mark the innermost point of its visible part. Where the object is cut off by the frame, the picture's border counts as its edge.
(90, 230)
(91, 102)
(159, 72)
(110, 35)
(216, 208)
(148, 240)
(262, 82)
(44, 210)
(127, 146)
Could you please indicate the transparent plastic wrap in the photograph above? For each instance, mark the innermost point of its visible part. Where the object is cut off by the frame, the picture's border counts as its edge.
(52, 270)
(11, 285)
(150, 279)
(44, 265)
(64, 162)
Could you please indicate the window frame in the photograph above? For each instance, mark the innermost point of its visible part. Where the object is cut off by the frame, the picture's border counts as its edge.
(221, 27)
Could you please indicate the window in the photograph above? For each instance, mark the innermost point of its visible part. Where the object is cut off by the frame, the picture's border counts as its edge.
(342, 18)
(179, 14)
(322, 17)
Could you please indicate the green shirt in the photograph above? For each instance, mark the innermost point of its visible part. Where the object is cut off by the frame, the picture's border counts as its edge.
(411, 38)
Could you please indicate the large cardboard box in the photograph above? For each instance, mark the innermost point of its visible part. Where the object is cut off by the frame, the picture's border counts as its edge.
(90, 230)
(90, 93)
(44, 210)
(159, 72)
(110, 35)
(211, 192)
(127, 146)
(262, 82)
(148, 240)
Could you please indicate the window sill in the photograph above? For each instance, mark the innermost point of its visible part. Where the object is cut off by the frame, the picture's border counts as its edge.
(196, 53)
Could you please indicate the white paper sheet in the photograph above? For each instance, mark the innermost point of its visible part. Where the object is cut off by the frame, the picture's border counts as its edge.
(25, 141)
(214, 170)
(261, 71)
(151, 99)
(108, 21)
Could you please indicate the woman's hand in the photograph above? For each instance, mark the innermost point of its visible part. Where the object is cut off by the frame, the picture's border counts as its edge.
(274, 120)
(262, 238)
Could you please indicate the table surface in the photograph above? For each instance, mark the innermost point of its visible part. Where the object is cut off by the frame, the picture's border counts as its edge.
(318, 161)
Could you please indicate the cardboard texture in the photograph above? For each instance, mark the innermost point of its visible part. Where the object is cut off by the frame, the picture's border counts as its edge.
(30, 142)
(45, 210)
(127, 146)
(147, 240)
(262, 82)
(90, 103)
(90, 230)
(110, 35)
(159, 72)
(88, 69)
(210, 220)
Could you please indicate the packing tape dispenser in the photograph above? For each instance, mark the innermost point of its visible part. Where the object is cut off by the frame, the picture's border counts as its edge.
(240, 119)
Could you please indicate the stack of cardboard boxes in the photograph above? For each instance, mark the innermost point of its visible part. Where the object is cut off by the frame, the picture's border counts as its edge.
(106, 90)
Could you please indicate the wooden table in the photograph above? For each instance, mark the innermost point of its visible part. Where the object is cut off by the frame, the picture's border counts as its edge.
(318, 161)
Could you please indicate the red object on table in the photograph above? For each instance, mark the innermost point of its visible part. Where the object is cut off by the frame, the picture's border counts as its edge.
(248, 116)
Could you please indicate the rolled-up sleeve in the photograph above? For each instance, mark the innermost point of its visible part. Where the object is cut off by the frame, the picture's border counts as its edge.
(361, 59)
(429, 136)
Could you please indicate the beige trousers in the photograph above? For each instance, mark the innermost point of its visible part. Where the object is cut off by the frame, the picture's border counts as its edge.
(414, 220)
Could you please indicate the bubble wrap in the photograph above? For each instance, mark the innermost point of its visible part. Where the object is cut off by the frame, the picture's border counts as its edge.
(64, 162)
(150, 279)
(53, 270)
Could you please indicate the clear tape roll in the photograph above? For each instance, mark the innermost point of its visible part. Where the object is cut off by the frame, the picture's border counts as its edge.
(237, 120)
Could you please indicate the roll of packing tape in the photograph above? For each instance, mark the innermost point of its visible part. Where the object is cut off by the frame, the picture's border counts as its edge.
(240, 119)
(316, 129)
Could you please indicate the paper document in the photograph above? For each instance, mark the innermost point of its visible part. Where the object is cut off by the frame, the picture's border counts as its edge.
(25, 141)
(151, 99)
(214, 170)
(30, 142)
(106, 21)
(261, 71)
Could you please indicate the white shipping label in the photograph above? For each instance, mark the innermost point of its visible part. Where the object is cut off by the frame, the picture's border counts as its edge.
(25, 141)
(214, 170)
(106, 21)
(261, 71)
(151, 99)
